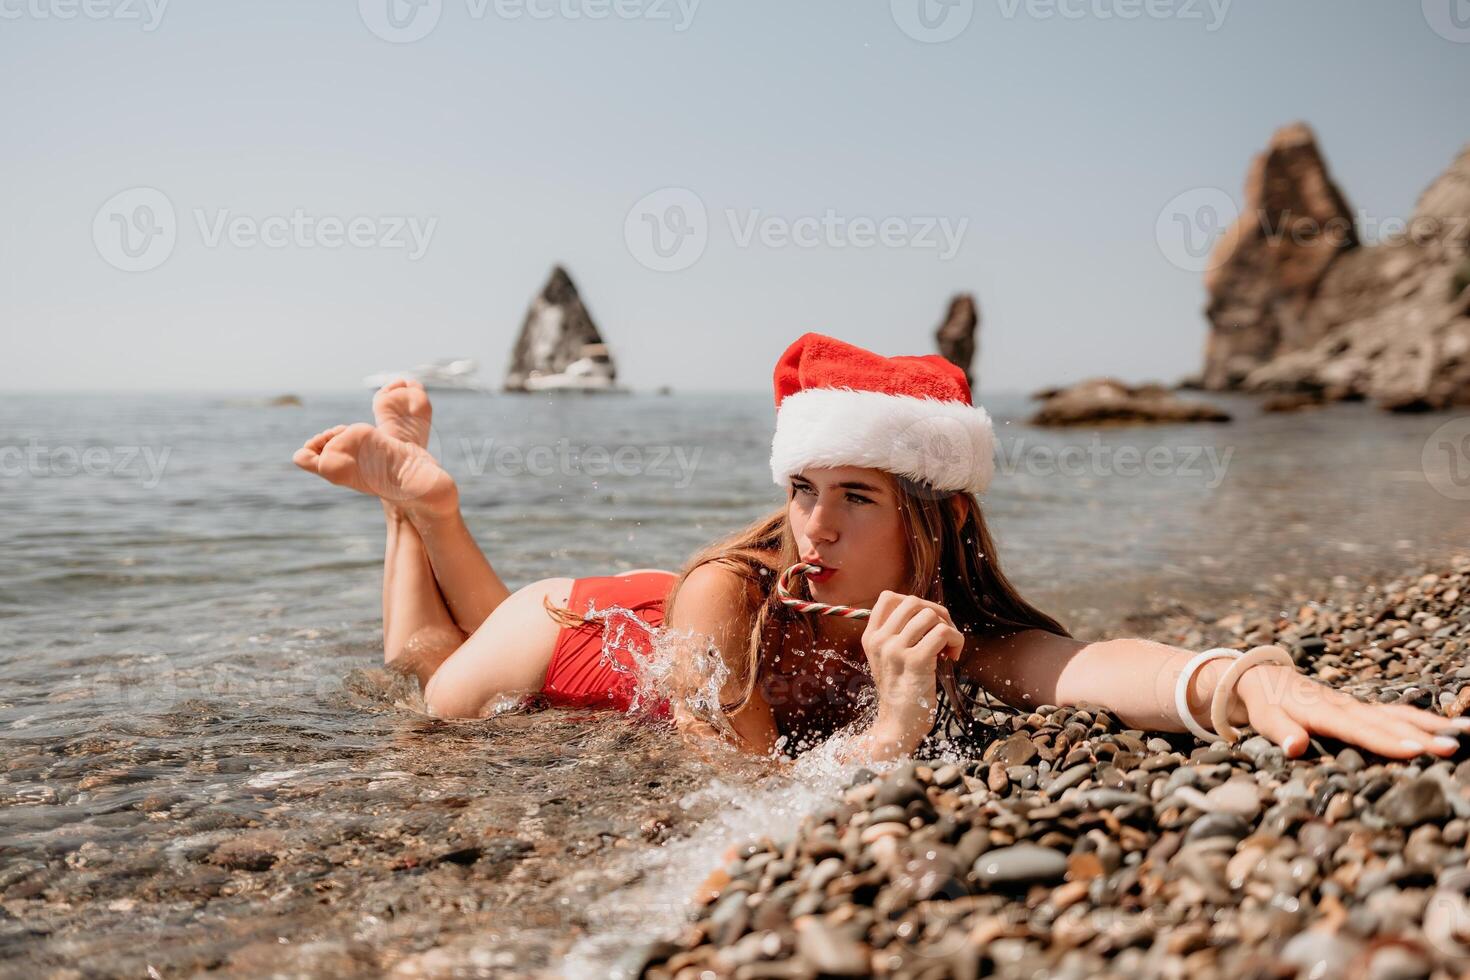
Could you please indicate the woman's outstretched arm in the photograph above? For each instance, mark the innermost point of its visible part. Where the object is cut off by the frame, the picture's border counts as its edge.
(1136, 679)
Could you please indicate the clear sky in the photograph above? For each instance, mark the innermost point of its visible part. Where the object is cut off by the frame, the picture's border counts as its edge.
(1048, 137)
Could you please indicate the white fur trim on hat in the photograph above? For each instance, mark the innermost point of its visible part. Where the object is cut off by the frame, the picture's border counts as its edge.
(946, 444)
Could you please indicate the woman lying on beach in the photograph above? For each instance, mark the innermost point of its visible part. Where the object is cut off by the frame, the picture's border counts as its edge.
(881, 459)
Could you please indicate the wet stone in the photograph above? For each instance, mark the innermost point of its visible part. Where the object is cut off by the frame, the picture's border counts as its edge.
(899, 792)
(831, 951)
(1020, 864)
(1068, 778)
(946, 776)
(1217, 825)
(253, 852)
(1237, 796)
(1018, 750)
(890, 813)
(1412, 803)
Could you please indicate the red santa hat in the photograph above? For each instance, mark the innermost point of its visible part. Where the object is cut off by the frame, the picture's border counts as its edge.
(841, 405)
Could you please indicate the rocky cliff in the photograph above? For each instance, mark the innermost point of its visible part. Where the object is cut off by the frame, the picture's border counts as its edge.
(1298, 303)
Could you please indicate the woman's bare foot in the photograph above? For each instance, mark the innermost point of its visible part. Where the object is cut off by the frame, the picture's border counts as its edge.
(402, 410)
(365, 458)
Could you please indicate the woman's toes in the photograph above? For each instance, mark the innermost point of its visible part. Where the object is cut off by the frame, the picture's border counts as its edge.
(306, 459)
(308, 456)
(316, 442)
(338, 461)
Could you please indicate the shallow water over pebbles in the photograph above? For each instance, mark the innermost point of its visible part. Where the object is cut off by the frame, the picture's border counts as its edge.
(203, 767)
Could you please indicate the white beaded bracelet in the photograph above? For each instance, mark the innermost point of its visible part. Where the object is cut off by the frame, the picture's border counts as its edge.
(1181, 690)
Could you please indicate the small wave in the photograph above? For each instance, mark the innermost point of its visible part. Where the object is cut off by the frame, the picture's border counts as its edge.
(685, 670)
(666, 878)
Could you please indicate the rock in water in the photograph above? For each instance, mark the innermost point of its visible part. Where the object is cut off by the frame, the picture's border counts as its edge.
(1107, 401)
(1297, 306)
(557, 331)
(956, 335)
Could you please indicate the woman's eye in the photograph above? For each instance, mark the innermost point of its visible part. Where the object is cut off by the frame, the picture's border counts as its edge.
(804, 488)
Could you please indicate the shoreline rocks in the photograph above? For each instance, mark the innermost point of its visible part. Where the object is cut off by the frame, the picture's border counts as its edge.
(482, 848)
(1107, 401)
(1111, 851)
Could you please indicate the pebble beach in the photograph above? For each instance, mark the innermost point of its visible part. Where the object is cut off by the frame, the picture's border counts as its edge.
(1076, 848)
(204, 768)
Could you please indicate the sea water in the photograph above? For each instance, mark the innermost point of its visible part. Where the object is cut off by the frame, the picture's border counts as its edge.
(191, 642)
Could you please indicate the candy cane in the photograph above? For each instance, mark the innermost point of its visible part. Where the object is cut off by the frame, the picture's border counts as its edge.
(945, 669)
(783, 589)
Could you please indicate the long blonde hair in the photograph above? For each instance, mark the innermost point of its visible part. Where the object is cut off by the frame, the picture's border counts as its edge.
(952, 561)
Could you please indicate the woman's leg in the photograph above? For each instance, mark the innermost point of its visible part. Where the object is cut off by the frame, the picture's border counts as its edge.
(470, 586)
(467, 582)
(429, 551)
(508, 655)
(419, 634)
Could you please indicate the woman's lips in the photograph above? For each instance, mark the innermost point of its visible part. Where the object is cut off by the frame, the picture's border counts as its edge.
(821, 576)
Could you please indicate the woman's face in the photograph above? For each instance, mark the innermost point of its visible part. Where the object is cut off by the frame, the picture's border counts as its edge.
(847, 519)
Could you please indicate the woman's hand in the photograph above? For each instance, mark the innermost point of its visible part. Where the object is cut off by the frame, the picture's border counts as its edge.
(903, 640)
(1286, 707)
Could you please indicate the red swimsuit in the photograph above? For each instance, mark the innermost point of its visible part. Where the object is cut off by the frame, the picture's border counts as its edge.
(580, 675)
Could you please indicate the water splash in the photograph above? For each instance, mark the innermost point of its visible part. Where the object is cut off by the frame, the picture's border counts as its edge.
(746, 801)
(736, 809)
(665, 666)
